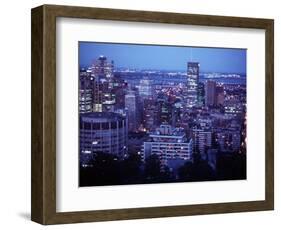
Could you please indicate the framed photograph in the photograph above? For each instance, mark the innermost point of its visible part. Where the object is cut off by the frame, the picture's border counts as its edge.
(140, 114)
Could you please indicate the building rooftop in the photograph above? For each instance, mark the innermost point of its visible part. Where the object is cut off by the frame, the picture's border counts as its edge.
(101, 116)
(167, 131)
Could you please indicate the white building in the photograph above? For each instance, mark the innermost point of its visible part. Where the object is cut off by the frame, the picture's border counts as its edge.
(145, 88)
(168, 143)
(192, 84)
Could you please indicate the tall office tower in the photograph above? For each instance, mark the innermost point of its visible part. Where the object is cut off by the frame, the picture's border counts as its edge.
(201, 94)
(131, 107)
(97, 94)
(149, 114)
(102, 67)
(192, 83)
(202, 139)
(108, 97)
(169, 144)
(164, 111)
(145, 88)
(85, 92)
(176, 115)
(119, 90)
(210, 93)
(220, 95)
(102, 132)
(103, 97)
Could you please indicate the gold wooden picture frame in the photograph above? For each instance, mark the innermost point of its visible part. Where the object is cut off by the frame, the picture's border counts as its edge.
(43, 208)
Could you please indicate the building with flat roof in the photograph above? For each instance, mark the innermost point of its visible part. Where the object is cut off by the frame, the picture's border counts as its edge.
(192, 84)
(210, 93)
(169, 144)
(131, 106)
(102, 132)
(104, 98)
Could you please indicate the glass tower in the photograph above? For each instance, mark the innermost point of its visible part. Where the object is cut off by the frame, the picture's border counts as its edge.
(192, 83)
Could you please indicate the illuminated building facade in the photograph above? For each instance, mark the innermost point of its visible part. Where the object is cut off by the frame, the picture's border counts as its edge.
(103, 85)
(104, 132)
(131, 107)
(168, 143)
(145, 88)
(202, 139)
(192, 83)
(85, 92)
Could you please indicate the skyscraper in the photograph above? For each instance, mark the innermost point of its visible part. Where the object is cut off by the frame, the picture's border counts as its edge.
(220, 95)
(201, 94)
(103, 96)
(85, 92)
(131, 106)
(102, 67)
(150, 113)
(192, 83)
(164, 111)
(210, 93)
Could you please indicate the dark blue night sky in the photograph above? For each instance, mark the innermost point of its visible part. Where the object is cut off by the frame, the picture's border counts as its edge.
(165, 57)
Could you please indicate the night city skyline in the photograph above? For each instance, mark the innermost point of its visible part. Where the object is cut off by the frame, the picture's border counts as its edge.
(164, 57)
(141, 122)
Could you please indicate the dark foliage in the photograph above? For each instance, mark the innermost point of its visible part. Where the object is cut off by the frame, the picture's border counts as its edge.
(231, 166)
(104, 170)
(107, 169)
(131, 169)
(154, 173)
(198, 170)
